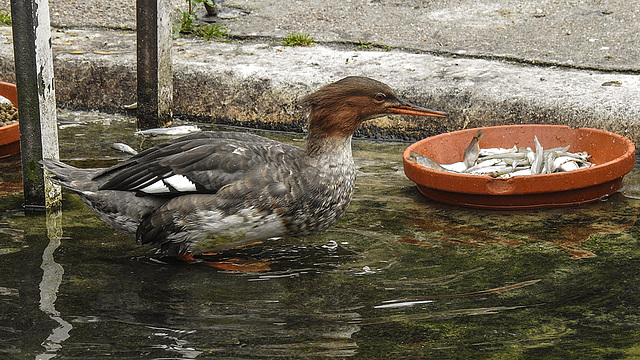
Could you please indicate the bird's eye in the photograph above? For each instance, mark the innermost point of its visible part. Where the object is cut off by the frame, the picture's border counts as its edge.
(380, 97)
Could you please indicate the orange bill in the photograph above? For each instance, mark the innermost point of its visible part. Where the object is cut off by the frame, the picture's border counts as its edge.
(406, 108)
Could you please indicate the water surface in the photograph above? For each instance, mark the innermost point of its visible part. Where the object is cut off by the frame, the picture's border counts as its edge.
(398, 277)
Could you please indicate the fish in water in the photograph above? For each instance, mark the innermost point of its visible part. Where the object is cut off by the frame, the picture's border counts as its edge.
(124, 148)
(175, 130)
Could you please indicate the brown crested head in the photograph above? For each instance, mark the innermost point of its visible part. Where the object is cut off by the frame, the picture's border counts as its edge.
(337, 109)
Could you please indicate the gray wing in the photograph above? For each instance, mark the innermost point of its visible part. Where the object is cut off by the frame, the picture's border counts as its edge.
(264, 190)
(197, 163)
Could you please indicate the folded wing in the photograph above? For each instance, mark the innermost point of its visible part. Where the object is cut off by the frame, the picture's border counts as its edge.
(200, 162)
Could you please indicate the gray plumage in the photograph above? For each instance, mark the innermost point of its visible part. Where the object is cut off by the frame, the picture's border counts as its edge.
(209, 191)
(231, 172)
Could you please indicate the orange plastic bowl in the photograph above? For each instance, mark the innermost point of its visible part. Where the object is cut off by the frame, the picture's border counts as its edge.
(10, 134)
(614, 156)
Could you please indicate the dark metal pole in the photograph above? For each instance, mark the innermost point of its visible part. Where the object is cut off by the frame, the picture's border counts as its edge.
(36, 99)
(155, 82)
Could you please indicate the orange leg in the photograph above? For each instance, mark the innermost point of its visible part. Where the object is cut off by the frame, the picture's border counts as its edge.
(188, 258)
(209, 253)
(235, 264)
(240, 265)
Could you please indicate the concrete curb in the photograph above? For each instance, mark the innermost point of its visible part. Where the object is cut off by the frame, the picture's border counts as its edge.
(258, 83)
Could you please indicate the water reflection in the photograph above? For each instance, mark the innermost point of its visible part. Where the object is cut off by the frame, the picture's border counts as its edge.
(398, 277)
(567, 230)
(51, 279)
(179, 345)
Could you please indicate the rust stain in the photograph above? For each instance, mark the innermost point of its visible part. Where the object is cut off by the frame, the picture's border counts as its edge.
(9, 188)
(413, 241)
(10, 175)
(468, 242)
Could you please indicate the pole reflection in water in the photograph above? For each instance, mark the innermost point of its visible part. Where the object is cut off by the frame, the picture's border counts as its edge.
(51, 280)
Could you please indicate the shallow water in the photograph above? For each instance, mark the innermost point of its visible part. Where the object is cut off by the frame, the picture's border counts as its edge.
(398, 277)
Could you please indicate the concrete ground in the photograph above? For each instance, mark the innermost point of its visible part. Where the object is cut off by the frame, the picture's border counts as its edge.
(485, 62)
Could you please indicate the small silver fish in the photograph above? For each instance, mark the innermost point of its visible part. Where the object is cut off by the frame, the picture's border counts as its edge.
(508, 156)
(496, 151)
(564, 163)
(473, 150)
(479, 167)
(124, 148)
(425, 161)
(506, 163)
(581, 157)
(560, 149)
(508, 170)
(548, 162)
(517, 162)
(538, 158)
(176, 130)
(524, 171)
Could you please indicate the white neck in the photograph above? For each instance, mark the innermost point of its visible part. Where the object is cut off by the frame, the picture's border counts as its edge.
(332, 152)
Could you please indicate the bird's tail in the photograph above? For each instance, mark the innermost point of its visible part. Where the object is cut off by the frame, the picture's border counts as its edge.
(70, 177)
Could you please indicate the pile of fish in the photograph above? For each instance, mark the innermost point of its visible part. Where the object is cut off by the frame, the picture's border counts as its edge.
(505, 163)
(8, 112)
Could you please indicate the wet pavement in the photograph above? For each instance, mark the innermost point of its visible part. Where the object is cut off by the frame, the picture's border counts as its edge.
(399, 276)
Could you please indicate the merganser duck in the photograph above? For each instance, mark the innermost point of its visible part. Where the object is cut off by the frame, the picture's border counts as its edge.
(211, 191)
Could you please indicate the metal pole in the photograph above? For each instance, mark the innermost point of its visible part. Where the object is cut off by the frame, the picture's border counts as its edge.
(36, 99)
(155, 82)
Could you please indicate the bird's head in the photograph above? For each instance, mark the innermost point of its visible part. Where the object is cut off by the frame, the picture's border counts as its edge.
(337, 109)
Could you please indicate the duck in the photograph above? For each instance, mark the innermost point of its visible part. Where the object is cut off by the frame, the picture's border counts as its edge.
(212, 191)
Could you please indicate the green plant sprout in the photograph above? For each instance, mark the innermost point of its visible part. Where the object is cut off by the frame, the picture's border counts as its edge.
(298, 39)
(188, 25)
(5, 17)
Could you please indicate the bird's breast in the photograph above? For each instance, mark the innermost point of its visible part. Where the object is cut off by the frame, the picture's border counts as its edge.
(213, 230)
